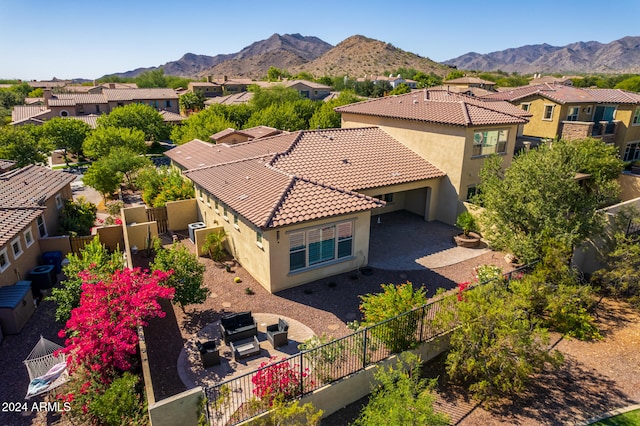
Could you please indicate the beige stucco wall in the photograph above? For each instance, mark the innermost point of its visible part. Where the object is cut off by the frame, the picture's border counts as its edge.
(181, 213)
(201, 236)
(180, 409)
(626, 132)
(59, 243)
(278, 252)
(111, 236)
(537, 126)
(29, 258)
(410, 196)
(629, 186)
(141, 234)
(449, 148)
(137, 214)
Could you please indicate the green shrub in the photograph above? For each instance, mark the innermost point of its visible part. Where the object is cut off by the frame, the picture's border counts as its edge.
(466, 222)
(121, 403)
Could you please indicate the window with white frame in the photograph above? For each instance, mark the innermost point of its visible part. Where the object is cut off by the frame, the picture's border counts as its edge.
(28, 237)
(573, 113)
(526, 106)
(636, 117)
(59, 202)
(4, 260)
(320, 245)
(16, 248)
(489, 142)
(548, 112)
(42, 227)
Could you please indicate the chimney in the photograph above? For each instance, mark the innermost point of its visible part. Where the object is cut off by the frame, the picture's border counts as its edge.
(225, 78)
(112, 85)
(47, 95)
(209, 79)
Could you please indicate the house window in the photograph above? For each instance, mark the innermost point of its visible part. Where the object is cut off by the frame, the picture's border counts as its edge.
(472, 191)
(235, 221)
(167, 104)
(215, 204)
(4, 260)
(59, 203)
(319, 245)
(573, 113)
(636, 117)
(98, 109)
(548, 112)
(525, 106)
(208, 200)
(388, 198)
(224, 214)
(64, 113)
(200, 194)
(632, 153)
(490, 142)
(28, 237)
(259, 237)
(16, 248)
(42, 227)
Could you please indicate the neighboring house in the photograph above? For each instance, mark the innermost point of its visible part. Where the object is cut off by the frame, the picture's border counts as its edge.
(309, 89)
(206, 88)
(83, 104)
(297, 207)
(538, 79)
(569, 112)
(235, 85)
(453, 132)
(232, 136)
(471, 82)
(31, 200)
(393, 81)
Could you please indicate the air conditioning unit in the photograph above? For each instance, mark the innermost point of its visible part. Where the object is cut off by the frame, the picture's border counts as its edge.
(42, 277)
(192, 230)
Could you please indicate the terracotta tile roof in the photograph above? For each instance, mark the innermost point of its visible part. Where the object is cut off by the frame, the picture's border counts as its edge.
(294, 177)
(71, 99)
(236, 98)
(135, 94)
(6, 165)
(354, 159)
(252, 133)
(171, 117)
(22, 112)
(567, 94)
(441, 107)
(311, 84)
(269, 198)
(22, 195)
(91, 119)
(468, 80)
(197, 153)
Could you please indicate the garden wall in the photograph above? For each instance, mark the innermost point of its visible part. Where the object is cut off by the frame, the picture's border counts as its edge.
(629, 186)
(181, 213)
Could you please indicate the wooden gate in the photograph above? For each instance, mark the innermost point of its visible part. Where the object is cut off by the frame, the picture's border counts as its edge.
(159, 215)
(78, 243)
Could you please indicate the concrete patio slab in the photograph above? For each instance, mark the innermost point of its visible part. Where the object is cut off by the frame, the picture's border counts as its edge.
(405, 241)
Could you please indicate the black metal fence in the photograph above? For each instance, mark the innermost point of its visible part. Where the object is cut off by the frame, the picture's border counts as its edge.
(243, 397)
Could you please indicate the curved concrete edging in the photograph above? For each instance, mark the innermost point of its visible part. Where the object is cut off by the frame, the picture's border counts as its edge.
(610, 414)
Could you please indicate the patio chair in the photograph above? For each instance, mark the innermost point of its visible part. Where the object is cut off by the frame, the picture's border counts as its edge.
(209, 354)
(277, 334)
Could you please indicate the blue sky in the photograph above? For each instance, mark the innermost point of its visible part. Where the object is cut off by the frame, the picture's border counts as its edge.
(42, 39)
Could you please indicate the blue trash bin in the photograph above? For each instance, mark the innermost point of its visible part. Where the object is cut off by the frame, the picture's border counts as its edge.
(53, 258)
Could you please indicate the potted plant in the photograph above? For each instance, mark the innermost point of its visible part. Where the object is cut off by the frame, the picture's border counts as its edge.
(469, 237)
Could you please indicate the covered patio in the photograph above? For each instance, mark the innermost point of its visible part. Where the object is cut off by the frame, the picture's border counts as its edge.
(402, 240)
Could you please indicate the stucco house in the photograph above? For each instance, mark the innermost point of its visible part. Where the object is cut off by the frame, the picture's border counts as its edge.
(31, 201)
(297, 207)
(452, 131)
(86, 104)
(569, 112)
(206, 88)
(309, 89)
(233, 136)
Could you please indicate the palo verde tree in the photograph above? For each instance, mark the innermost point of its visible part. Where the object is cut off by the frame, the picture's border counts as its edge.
(23, 145)
(551, 191)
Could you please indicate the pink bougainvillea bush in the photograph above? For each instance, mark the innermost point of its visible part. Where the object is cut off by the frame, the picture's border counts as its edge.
(279, 380)
(101, 334)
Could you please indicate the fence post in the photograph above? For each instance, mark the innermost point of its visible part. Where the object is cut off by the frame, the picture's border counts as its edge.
(301, 377)
(364, 347)
(422, 322)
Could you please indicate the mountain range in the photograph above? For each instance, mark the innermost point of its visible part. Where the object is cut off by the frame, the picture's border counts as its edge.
(358, 56)
(619, 56)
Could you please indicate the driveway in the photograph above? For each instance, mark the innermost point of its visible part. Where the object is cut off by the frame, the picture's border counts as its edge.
(404, 241)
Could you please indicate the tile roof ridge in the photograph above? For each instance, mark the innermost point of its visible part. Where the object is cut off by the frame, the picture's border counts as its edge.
(237, 160)
(293, 144)
(465, 112)
(278, 204)
(336, 188)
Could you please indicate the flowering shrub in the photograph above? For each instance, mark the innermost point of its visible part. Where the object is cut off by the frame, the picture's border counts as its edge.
(101, 334)
(461, 289)
(278, 380)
